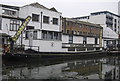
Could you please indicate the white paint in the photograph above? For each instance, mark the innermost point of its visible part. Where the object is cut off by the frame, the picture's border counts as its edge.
(90, 40)
(77, 39)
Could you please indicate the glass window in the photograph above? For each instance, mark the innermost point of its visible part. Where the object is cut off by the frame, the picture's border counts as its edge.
(96, 41)
(26, 34)
(84, 40)
(55, 35)
(70, 39)
(9, 12)
(46, 19)
(35, 17)
(55, 21)
(50, 35)
(44, 34)
(34, 34)
(14, 25)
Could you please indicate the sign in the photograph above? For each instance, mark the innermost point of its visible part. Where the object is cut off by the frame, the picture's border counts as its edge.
(21, 28)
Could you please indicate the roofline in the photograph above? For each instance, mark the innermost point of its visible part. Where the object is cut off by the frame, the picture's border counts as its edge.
(9, 6)
(42, 5)
(95, 13)
(105, 12)
(83, 22)
(81, 17)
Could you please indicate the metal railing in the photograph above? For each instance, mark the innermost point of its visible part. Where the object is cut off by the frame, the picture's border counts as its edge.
(79, 45)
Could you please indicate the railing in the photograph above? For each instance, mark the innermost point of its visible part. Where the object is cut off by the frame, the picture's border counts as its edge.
(79, 45)
(36, 48)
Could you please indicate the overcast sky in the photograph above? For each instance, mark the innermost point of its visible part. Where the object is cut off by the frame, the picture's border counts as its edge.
(71, 8)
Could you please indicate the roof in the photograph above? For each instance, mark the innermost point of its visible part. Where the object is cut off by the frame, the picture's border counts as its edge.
(37, 5)
(53, 9)
(83, 22)
(96, 13)
(105, 12)
(9, 6)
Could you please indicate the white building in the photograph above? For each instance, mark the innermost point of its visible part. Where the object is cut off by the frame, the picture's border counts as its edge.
(45, 26)
(110, 23)
(44, 31)
(9, 23)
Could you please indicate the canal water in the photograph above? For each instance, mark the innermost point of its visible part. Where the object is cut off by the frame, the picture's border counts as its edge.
(107, 67)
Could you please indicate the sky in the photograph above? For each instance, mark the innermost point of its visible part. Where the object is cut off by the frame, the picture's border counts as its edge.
(71, 8)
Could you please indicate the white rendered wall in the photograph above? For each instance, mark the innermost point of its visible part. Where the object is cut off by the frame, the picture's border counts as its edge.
(45, 12)
(98, 19)
(65, 38)
(90, 40)
(78, 39)
(47, 46)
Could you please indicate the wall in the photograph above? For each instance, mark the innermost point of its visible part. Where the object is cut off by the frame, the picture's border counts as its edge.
(65, 39)
(28, 10)
(6, 29)
(78, 39)
(47, 46)
(98, 19)
(90, 40)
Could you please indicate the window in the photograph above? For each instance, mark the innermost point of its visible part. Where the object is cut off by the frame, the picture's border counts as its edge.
(44, 34)
(45, 19)
(9, 12)
(26, 34)
(84, 40)
(55, 35)
(55, 21)
(29, 27)
(51, 35)
(68, 32)
(34, 34)
(70, 39)
(35, 17)
(14, 25)
(96, 41)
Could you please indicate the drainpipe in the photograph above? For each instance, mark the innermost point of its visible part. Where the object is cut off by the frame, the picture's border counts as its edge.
(41, 19)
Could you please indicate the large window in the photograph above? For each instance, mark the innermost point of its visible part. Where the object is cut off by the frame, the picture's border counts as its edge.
(96, 41)
(29, 27)
(14, 25)
(55, 21)
(84, 40)
(35, 17)
(46, 19)
(29, 34)
(70, 39)
(51, 35)
(9, 12)
(44, 34)
(34, 34)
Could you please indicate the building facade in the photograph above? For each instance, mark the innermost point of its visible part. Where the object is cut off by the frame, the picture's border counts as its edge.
(81, 36)
(9, 23)
(45, 28)
(48, 31)
(110, 23)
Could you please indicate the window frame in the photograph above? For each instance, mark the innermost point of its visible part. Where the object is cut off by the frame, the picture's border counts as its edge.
(46, 21)
(35, 17)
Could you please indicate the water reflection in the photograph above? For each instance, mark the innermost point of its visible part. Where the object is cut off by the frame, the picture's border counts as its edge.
(102, 68)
